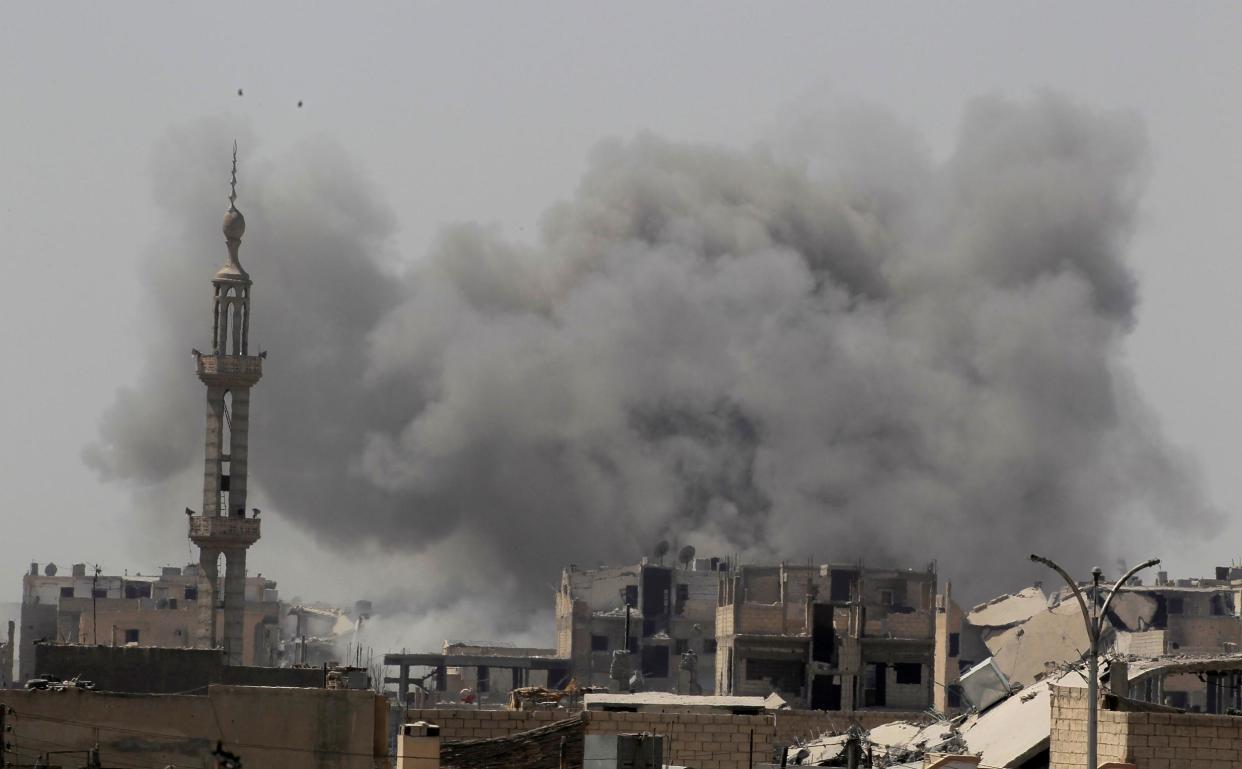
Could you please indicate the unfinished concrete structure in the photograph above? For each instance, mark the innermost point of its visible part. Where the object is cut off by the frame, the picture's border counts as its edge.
(829, 636)
(145, 610)
(228, 371)
(673, 613)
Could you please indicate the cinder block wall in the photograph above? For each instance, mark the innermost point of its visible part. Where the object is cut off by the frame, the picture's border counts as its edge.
(1150, 740)
(705, 741)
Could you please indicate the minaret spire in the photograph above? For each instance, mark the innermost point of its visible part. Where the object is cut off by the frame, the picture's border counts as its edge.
(233, 181)
(229, 371)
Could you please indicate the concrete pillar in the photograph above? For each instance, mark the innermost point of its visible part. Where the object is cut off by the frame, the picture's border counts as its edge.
(418, 746)
(208, 575)
(234, 605)
(211, 457)
(239, 450)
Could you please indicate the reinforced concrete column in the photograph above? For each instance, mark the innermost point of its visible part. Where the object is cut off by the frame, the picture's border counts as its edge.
(211, 457)
(239, 450)
(234, 605)
(208, 579)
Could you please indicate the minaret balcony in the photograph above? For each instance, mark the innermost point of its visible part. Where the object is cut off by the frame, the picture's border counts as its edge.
(221, 531)
(230, 370)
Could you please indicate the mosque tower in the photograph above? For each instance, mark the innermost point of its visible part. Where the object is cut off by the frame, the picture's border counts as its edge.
(228, 371)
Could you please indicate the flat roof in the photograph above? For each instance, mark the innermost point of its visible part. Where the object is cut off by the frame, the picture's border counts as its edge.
(667, 699)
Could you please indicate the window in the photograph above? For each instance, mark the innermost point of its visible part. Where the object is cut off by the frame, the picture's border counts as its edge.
(655, 661)
(683, 595)
(99, 592)
(709, 646)
(1175, 606)
(908, 672)
(964, 665)
(599, 643)
(785, 675)
(137, 589)
(840, 585)
(66, 592)
(1218, 606)
(191, 594)
(886, 597)
(484, 679)
(955, 644)
(955, 696)
(131, 636)
(681, 646)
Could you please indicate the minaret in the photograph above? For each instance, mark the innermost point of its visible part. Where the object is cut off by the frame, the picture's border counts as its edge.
(229, 371)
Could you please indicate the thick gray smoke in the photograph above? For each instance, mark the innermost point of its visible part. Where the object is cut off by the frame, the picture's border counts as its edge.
(832, 345)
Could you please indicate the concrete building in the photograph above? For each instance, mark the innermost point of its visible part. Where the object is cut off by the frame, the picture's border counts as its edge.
(146, 610)
(672, 613)
(8, 649)
(828, 637)
(222, 529)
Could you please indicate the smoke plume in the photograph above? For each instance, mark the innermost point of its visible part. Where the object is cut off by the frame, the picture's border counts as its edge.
(832, 345)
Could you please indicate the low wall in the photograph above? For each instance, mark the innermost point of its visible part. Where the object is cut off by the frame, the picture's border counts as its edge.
(1148, 740)
(275, 728)
(157, 670)
(705, 741)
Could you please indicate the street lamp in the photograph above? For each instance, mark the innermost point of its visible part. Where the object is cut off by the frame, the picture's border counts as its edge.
(1094, 620)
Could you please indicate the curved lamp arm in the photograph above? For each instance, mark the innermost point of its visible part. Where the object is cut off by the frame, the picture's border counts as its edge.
(1082, 603)
(1124, 580)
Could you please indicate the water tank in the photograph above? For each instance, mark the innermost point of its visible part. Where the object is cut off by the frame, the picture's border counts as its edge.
(50, 570)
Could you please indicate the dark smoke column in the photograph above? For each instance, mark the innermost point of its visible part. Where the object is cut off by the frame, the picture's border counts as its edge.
(229, 372)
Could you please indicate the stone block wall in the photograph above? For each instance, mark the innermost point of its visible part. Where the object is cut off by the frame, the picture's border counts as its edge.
(1148, 740)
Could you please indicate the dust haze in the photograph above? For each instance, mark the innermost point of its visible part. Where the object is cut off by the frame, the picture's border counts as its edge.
(833, 345)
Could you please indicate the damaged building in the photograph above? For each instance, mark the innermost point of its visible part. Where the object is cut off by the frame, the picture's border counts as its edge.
(672, 612)
(828, 636)
(1029, 633)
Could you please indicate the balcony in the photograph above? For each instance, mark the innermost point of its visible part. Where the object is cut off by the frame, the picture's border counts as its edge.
(230, 369)
(218, 530)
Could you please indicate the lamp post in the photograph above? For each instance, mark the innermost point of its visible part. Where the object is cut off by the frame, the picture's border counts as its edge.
(1094, 620)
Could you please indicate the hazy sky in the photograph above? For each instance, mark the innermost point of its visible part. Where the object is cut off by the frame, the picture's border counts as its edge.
(487, 112)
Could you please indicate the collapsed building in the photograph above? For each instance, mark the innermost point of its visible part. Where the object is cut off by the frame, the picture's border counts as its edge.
(1029, 633)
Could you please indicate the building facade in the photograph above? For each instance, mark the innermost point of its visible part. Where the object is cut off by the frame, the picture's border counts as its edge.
(829, 636)
(145, 610)
(672, 613)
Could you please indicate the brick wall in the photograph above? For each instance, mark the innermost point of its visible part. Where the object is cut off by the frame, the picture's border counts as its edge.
(704, 741)
(1150, 740)
(762, 619)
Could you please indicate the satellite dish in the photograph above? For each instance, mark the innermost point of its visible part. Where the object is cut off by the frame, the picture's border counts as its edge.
(685, 555)
(661, 550)
(50, 570)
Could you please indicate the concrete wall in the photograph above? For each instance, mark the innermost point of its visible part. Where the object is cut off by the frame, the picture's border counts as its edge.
(1149, 740)
(268, 727)
(161, 671)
